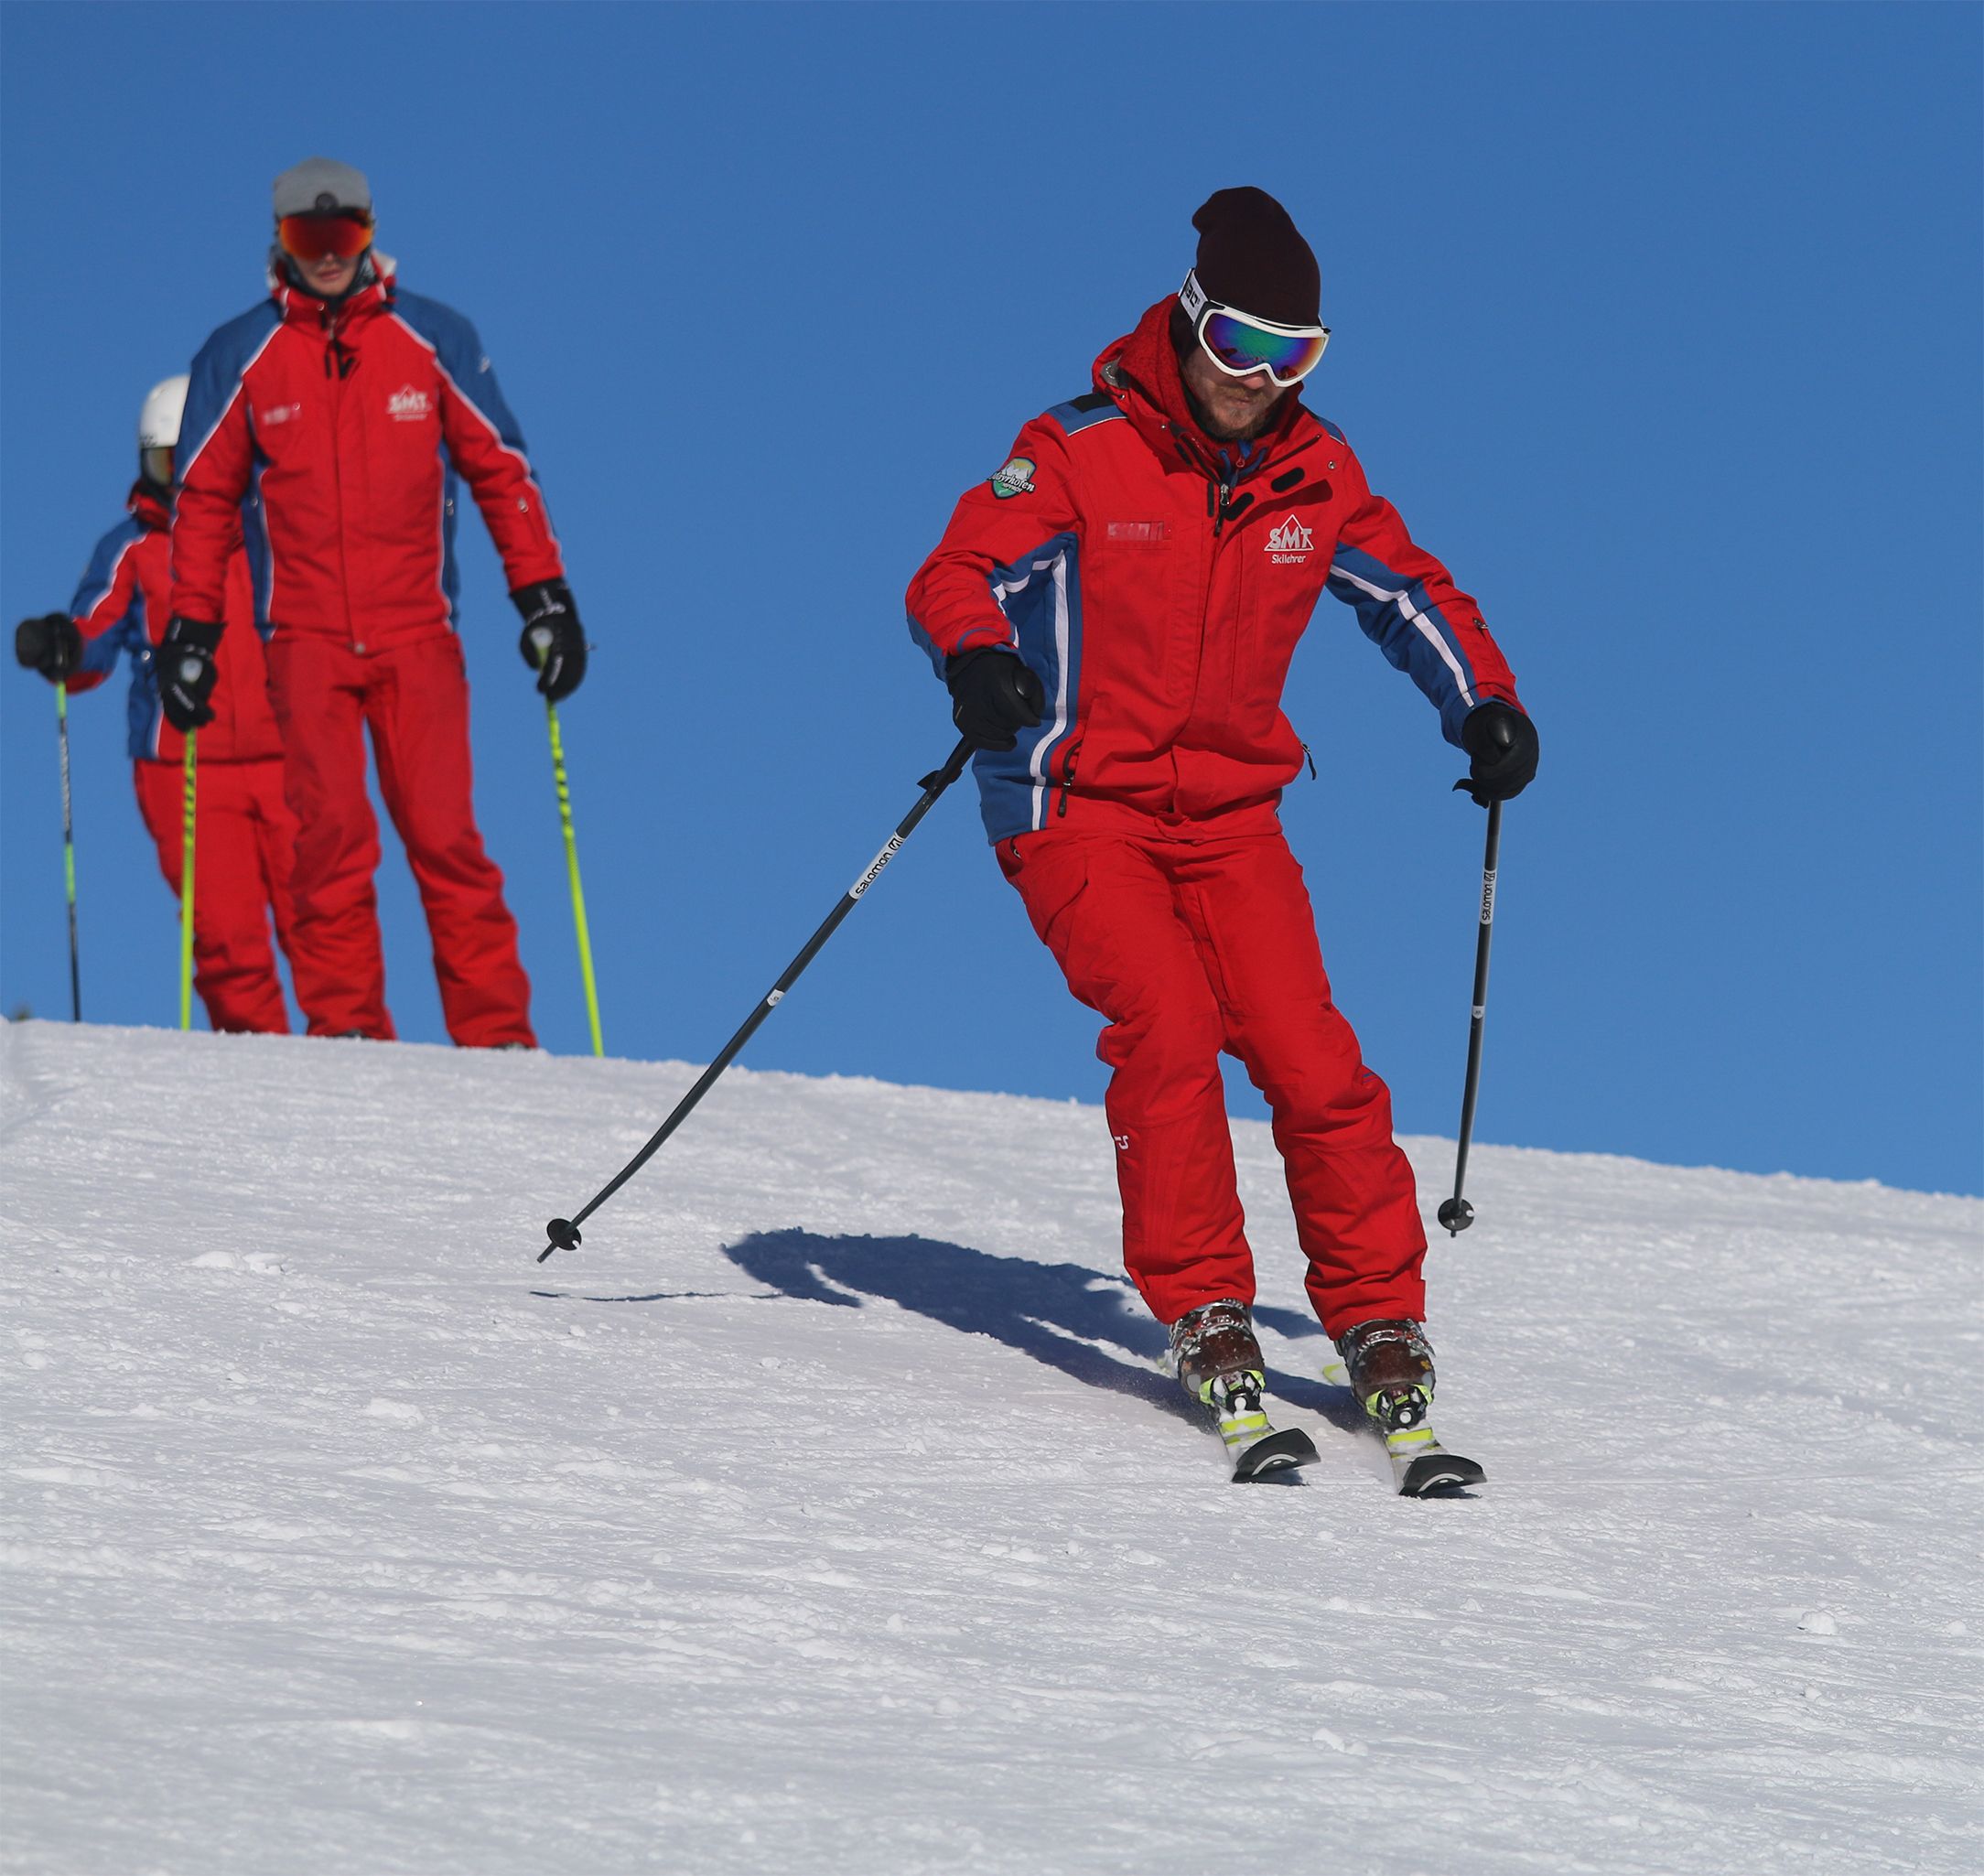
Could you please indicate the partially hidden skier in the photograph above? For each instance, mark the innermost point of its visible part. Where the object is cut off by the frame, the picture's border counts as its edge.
(350, 412)
(245, 833)
(1114, 611)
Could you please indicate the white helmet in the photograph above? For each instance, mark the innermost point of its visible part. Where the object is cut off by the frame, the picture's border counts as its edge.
(158, 421)
(158, 430)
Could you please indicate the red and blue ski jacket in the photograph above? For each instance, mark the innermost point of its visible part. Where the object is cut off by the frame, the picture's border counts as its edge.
(123, 606)
(343, 430)
(1157, 582)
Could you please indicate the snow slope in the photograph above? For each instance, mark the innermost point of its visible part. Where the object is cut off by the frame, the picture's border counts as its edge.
(824, 1513)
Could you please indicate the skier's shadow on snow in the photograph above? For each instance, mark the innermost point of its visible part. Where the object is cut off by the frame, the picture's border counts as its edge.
(1057, 1313)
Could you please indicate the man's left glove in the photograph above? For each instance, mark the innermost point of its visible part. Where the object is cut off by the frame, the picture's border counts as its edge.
(994, 695)
(1503, 742)
(552, 641)
(51, 645)
(187, 672)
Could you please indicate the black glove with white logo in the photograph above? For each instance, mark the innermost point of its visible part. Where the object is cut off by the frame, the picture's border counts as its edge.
(552, 641)
(186, 672)
(1503, 742)
(51, 645)
(994, 692)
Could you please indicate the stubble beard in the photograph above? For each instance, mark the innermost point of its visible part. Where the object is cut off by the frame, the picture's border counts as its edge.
(1245, 432)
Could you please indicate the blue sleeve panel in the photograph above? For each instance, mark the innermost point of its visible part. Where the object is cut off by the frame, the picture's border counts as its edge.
(255, 537)
(127, 634)
(1399, 617)
(217, 370)
(98, 578)
(928, 646)
(1083, 413)
(460, 349)
(1040, 594)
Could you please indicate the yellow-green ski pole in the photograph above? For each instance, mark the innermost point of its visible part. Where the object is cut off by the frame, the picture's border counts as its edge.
(571, 863)
(186, 887)
(69, 853)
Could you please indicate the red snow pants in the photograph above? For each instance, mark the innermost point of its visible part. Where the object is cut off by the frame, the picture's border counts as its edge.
(1192, 938)
(244, 837)
(415, 700)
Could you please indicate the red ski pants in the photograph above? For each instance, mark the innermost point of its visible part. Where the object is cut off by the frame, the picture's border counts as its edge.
(414, 701)
(1191, 943)
(243, 839)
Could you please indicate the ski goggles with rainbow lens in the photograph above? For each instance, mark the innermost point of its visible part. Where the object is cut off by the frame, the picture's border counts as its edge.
(1241, 345)
(347, 234)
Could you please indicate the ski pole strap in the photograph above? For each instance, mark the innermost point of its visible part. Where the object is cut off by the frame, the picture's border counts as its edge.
(571, 868)
(562, 1233)
(190, 794)
(68, 852)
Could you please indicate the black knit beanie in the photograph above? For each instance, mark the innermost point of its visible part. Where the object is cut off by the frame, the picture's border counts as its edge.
(1252, 258)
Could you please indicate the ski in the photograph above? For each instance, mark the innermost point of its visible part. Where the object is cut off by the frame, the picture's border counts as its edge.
(1256, 1448)
(1421, 1466)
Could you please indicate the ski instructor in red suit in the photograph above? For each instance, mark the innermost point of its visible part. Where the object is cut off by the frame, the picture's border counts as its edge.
(333, 423)
(1114, 611)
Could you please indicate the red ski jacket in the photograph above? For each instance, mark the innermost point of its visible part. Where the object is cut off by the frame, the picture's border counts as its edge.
(344, 432)
(1157, 583)
(124, 605)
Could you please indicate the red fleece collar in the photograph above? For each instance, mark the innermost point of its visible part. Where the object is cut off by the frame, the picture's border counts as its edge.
(149, 511)
(1145, 358)
(300, 308)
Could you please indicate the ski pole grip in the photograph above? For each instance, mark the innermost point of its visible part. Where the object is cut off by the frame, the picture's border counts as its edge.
(941, 779)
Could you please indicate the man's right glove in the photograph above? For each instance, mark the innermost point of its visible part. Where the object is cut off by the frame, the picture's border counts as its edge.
(1503, 742)
(186, 672)
(994, 692)
(51, 645)
(552, 641)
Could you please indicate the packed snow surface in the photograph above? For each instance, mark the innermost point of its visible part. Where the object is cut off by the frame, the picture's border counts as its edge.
(825, 1511)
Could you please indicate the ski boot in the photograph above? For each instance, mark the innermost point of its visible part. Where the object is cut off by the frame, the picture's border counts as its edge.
(1219, 1362)
(1388, 1366)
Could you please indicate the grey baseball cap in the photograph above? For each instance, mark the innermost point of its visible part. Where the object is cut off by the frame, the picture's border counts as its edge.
(316, 186)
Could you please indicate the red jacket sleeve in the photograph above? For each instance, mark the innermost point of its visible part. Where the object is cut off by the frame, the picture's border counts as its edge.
(1410, 607)
(996, 524)
(206, 513)
(487, 448)
(103, 603)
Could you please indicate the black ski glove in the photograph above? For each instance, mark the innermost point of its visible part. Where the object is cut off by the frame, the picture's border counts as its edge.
(187, 672)
(993, 694)
(1503, 742)
(51, 645)
(552, 641)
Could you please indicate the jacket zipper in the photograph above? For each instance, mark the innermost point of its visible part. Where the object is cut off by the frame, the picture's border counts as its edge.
(1223, 510)
(335, 351)
(1067, 778)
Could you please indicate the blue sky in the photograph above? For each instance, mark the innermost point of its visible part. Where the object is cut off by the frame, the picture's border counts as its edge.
(1659, 324)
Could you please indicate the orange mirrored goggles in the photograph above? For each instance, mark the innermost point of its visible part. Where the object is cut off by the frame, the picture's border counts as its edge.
(318, 237)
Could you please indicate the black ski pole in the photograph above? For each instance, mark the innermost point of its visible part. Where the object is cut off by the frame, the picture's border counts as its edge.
(1455, 1214)
(69, 853)
(564, 1232)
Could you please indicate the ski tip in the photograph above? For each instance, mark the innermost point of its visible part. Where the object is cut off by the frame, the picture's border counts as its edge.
(1439, 1475)
(564, 1236)
(1276, 1452)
